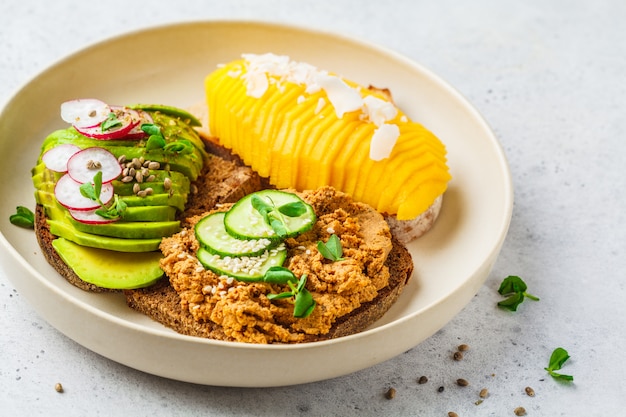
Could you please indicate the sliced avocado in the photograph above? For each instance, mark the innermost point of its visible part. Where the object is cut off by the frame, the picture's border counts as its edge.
(46, 176)
(187, 117)
(109, 269)
(177, 200)
(150, 214)
(63, 228)
(128, 230)
(179, 184)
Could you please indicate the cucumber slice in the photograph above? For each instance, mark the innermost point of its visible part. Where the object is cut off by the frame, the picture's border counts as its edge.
(243, 268)
(244, 221)
(212, 235)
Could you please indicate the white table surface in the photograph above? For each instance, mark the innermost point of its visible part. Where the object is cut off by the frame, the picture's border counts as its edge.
(550, 78)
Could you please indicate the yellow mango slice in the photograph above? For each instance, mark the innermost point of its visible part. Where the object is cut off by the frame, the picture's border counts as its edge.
(304, 128)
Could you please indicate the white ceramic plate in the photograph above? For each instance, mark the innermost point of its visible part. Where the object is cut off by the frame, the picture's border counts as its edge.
(452, 260)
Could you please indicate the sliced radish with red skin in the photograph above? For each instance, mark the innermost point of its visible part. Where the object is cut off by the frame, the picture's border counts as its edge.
(127, 123)
(67, 193)
(56, 158)
(90, 217)
(85, 112)
(141, 117)
(83, 165)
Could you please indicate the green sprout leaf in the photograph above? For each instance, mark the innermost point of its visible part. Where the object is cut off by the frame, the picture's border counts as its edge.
(557, 359)
(155, 142)
(303, 301)
(181, 146)
(23, 217)
(332, 249)
(295, 209)
(270, 215)
(110, 122)
(279, 275)
(514, 288)
(92, 191)
(151, 129)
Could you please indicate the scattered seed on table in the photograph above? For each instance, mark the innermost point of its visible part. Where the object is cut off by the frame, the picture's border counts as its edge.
(390, 394)
(478, 402)
(440, 389)
(462, 382)
(452, 414)
(520, 411)
(422, 380)
(463, 347)
(457, 356)
(529, 391)
(483, 393)
(58, 387)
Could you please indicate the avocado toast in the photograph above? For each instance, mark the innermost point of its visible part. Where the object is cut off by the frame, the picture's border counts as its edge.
(110, 187)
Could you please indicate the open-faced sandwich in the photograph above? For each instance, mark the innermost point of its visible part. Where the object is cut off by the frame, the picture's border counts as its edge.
(283, 221)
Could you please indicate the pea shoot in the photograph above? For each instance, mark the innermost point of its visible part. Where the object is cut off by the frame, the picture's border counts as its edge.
(332, 249)
(156, 140)
(110, 122)
(514, 288)
(557, 359)
(23, 217)
(274, 216)
(92, 191)
(303, 302)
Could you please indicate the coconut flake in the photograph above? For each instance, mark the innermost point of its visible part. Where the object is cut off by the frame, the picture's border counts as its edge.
(383, 141)
(378, 111)
(343, 97)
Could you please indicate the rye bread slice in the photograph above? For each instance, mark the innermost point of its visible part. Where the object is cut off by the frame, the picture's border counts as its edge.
(162, 303)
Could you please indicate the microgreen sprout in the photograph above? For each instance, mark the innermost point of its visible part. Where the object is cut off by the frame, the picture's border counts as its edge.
(332, 249)
(92, 192)
(514, 288)
(110, 122)
(303, 302)
(23, 217)
(156, 140)
(557, 359)
(274, 216)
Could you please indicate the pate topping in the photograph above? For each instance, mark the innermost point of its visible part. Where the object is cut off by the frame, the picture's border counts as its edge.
(243, 310)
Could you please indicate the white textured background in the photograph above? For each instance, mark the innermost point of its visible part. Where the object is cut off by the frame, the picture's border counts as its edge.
(550, 78)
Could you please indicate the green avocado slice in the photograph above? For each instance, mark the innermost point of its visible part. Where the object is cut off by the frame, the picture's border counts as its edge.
(108, 269)
(63, 228)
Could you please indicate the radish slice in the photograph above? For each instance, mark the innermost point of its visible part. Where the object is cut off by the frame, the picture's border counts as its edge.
(127, 123)
(140, 117)
(57, 157)
(85, 112)
(83, 165)
(90, 217)
(67, 193)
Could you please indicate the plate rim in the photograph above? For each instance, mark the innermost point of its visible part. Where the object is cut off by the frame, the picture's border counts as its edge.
(506, 219)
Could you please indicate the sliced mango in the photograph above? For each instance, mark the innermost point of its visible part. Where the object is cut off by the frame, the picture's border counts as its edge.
(304, 132)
